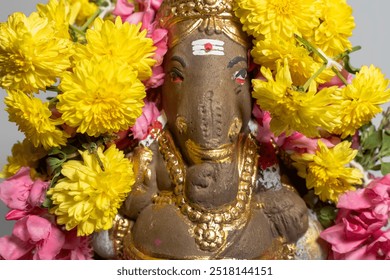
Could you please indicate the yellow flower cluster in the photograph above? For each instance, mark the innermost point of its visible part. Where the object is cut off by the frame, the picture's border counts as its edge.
(336, 26)
(101, 96)
(96, 67)
(32, 56)
(334, 110)
(299, 45)
(361, 100)
(325, 171)
(103, 92)
(34, 119)
(122, 42)
(92, 190)
(293, 110)
(84, 10)
(327, 24)
(61, 14)
(284, 17)
(23, 154)
(101, 81)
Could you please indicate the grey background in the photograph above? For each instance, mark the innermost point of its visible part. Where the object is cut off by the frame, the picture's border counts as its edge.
(371, 32)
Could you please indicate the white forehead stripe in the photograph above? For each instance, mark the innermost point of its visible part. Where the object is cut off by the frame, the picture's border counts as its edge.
(208, 47)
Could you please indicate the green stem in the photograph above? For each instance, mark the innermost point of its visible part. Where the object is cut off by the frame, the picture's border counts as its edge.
(385, 122)
(98, 160)
(90, 20)
(77, 30)
(53, 88)
(347, 52)
(313, 77)
(310, 47)
(340, 76)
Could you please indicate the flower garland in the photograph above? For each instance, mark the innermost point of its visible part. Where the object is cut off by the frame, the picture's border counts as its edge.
(318, 110)
(70, 174)
(105, 73)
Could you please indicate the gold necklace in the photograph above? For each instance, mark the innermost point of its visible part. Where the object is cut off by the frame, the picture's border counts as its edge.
(211, 226)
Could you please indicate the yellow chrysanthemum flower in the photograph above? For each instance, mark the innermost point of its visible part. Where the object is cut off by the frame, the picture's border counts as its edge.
(293, 110)
(120, 41)
(326, 171)
(100, 96)
(337, 24)
(33, 117)
(274, 50)
(23, 154)
(362, 99)
(31, 56)
(84, 8)
(284, 17)
(60, 12)
(89, 195)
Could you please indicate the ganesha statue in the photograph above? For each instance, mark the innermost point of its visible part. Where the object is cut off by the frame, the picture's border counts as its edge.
(200, 191)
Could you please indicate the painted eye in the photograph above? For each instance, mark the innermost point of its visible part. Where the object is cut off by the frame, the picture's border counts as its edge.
(176, 76)
(240, 76)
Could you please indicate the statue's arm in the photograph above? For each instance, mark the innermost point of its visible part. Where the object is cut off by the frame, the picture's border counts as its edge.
(145, 186)
(108, 244)
(283, 206)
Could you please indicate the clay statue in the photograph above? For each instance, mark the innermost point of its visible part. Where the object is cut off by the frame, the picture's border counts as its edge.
(200, 193)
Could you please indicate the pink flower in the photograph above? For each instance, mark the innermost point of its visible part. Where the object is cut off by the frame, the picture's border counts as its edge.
(376, 196)
(299, 143)
(146, 11)
(146, 14)
(296, 142)
(360, 229)
(36, 238)
(21, 194)
(33, 238)
(336, 81)
(157, 78)
(142, 126)
(160, 39)
(263, 118)
(124, 9)
(355, 141)
(75, 247)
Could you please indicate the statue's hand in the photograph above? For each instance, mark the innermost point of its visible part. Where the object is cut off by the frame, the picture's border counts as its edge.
(288, 213)
(108, 244)
(103, 245)
(144, 186)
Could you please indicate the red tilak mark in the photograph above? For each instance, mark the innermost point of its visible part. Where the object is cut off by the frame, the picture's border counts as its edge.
(240, 81)
(208, 47)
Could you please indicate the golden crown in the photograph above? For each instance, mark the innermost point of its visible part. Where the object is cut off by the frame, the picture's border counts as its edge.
(182, 17)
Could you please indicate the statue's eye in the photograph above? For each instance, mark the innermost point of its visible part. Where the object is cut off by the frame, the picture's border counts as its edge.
(240, 76)
(176, 76)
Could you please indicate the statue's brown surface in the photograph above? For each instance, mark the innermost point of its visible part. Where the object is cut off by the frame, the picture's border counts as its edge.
(199, 192)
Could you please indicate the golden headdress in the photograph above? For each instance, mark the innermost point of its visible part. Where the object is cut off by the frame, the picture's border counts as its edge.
(182, 17)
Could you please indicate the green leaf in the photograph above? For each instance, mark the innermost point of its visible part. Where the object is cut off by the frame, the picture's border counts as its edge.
(385, 168)
(385, 149)
(54, 163)
(54, 151)
(47, 203)
(69, 149)
(376, 167)
(55, 178)
(373, 140)
(327, 215)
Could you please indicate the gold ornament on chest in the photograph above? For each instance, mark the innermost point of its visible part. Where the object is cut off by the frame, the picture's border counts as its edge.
(210, 226)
